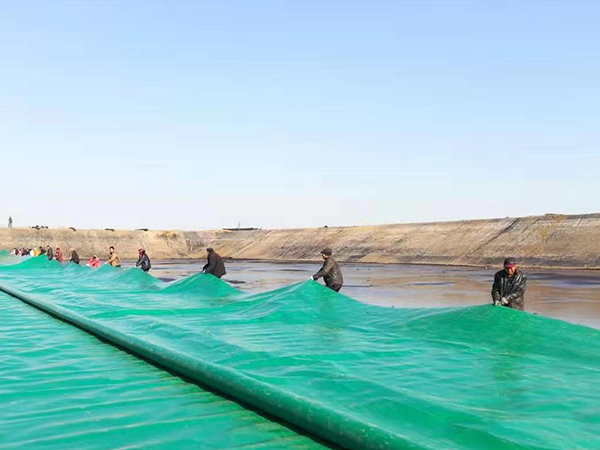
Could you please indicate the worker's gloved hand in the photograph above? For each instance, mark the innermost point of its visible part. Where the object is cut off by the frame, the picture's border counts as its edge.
(503, 301)
(496, 302)
(311, 278)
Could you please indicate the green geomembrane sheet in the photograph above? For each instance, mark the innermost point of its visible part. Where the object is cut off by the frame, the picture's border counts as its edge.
(61, 388)
(357, 375)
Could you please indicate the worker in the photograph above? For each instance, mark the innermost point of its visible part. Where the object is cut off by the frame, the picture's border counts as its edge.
(49, 253)
(94, 262)
(143, 261)
(214, 265)
(331, 273)
(74, 256)
(509, 286)
(59, 255)
(113, 258)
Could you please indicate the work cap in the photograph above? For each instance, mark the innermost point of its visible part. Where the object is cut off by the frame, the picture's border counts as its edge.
(327, 251)
(210, 249)
(510, 262)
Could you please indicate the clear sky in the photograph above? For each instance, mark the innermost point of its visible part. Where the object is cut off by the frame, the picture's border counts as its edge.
(202, 114)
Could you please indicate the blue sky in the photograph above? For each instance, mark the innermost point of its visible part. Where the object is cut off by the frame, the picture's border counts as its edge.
(203, 114)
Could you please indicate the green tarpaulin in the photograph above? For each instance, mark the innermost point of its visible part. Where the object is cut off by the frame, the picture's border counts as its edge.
(358, 375)
(60, 388)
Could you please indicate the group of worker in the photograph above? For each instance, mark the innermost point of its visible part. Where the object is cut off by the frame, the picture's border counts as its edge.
(94, 262)
(330, 272)
(508, 289)
(214, 265)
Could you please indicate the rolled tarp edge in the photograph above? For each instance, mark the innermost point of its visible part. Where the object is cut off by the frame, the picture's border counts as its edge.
(307, 414)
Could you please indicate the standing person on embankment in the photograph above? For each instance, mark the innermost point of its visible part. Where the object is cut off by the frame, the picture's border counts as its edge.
(509, 286)
(214, 265)
(143, 261)
(113, 258)
(331, 273)
(49, 253)
(59, 256)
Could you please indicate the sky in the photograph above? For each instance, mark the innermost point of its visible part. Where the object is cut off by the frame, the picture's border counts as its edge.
(182, 114)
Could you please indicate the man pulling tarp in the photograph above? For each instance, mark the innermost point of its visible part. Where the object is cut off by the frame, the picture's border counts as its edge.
(509, 286)
(331, 273)
(214, 264)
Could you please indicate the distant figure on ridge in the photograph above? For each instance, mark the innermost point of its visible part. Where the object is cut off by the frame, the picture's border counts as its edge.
(59, 255)
(113, 258)
(49, 253)
(214, 265)
(9, 221)
(509, 286)
(143, 261)
(94, 262)
(331, 273)
(74, 256)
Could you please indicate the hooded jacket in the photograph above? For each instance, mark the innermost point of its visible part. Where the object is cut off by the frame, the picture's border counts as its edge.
(50, 254)
(510, 288)
(94, 263)
(74, 257)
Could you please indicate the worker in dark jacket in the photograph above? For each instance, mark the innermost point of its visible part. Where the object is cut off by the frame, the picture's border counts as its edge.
(49, 253)
(509, 286)
(214, 265)
(331, 273)
(143, 261)
(74, 256)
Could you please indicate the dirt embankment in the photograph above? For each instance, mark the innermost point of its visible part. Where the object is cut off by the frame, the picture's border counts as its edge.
(550, 240)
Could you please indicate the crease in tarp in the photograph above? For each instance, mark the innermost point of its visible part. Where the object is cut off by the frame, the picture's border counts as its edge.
(357, 375)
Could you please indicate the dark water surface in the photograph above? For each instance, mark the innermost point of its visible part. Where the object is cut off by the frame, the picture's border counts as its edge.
(573, 296)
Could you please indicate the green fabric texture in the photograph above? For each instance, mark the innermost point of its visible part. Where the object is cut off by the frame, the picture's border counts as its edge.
(61, 388)
(361, 376)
